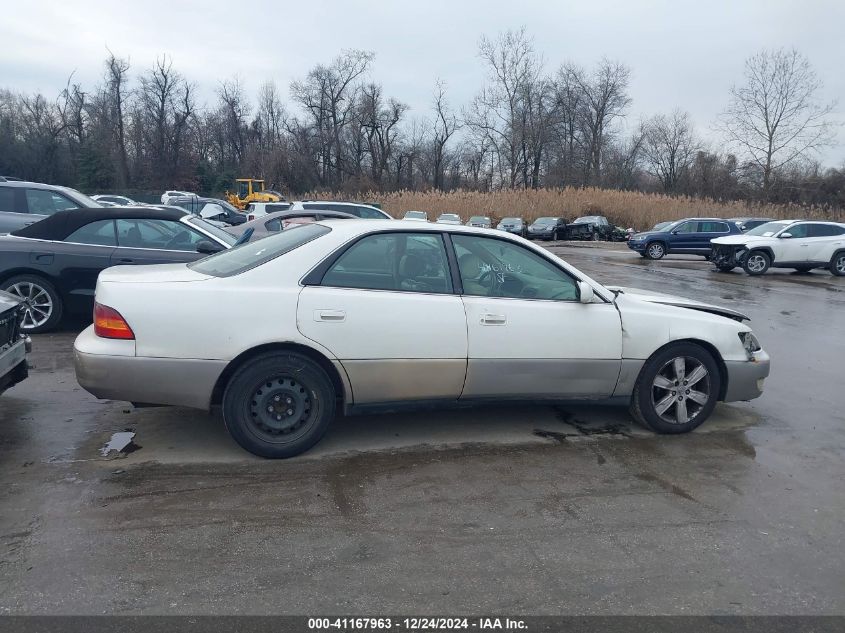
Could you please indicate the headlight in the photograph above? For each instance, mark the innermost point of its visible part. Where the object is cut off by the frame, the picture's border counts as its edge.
(750, 343)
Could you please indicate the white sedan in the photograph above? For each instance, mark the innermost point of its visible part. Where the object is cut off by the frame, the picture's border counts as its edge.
(364, 315)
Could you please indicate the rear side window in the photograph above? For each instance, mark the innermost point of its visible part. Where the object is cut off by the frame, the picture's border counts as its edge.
(99, 233)
(44, 202)
(409, 262)
(253, 254)
(7, 199)
(713, 227)
(825, 230)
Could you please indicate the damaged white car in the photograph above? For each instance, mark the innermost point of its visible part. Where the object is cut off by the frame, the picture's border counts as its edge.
(364, 315)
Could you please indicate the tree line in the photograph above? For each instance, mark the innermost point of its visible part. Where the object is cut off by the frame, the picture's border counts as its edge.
(336, 130)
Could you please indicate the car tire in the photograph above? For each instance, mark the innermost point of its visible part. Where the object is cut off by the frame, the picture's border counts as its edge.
(655, 250)
(44, 306)
(757, 263)
(803, 269)
(725, 268)
(279, 405)
(837, 264)
(661, 401)
(554, 236)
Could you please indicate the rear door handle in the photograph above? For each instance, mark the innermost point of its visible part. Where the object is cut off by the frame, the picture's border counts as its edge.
(493, 319)
(331, 316)
(125, 260)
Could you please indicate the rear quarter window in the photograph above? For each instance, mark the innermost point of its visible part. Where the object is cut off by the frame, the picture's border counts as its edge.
(7, 199)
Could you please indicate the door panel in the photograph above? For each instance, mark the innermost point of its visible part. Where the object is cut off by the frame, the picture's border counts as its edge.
(393, 345)
(551, 349)
(78, 267)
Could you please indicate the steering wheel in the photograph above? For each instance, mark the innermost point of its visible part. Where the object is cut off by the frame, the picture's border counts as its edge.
(176, 240)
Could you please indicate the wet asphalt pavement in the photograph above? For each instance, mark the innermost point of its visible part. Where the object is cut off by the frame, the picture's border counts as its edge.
(516, 510)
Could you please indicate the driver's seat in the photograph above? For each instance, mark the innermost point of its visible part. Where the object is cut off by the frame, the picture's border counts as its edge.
(472, 268)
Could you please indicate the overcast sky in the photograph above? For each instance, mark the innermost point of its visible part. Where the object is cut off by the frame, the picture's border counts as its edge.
(682, 54)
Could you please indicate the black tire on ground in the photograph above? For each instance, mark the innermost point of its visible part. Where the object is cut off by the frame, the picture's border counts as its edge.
(803, 269)
(648, 399)
(757, 262)
(42, 299)
(837, 264)
(554, 235)
(655, 250)
(724, 268)
(278, 404)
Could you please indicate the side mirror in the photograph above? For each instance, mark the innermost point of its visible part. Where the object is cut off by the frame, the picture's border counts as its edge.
(208, 247)
(586, 292)
(785, 236)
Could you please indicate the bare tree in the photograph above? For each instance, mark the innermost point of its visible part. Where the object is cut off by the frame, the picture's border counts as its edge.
(604, 98)
(775, 117)
(443, 127)
(116, 93)
(669, 147)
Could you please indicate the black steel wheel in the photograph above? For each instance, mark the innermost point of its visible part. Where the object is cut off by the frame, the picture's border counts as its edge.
(279, 404)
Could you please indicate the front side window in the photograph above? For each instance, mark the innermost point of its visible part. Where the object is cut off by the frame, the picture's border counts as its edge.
(44, 202)
(411, 262)
(157, 234)
(100, 233)
(687, 227)
(497, 268)
(798, 230)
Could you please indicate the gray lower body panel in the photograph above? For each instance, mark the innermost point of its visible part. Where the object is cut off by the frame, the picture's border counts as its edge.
(172, 381)
(392, 380)
(745, 378)
(540, 378)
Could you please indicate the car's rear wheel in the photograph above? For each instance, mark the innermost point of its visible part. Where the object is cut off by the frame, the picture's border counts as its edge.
(725, 268)
(757, 263)
(42, 303)
(803, 269)
(677, 389)
(837, 264)
(655, 250)
(279, 404)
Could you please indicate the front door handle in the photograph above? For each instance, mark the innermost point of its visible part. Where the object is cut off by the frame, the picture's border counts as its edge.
(331, 316)
(125, 260)
(493, 319)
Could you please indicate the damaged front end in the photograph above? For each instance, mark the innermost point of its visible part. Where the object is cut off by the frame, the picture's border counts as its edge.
(728, 256)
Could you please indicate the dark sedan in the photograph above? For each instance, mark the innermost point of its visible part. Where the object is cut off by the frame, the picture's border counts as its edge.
(53, 265)
(547, 228)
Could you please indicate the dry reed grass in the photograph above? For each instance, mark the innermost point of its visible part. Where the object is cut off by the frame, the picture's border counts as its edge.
(624, 208)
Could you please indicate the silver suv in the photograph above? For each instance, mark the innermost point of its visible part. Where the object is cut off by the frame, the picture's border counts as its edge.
(23, 203)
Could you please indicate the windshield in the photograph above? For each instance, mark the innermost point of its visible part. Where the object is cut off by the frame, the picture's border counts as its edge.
(81, 199)
(768, 229)
(545, 221)
(247, 256)
(479, 218)
(511, 220)
(593, 219)
(220, 234)
(666, 226)
(450, 216)
(419, 215)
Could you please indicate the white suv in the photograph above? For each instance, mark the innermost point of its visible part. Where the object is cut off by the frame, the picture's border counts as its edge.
(799, 244)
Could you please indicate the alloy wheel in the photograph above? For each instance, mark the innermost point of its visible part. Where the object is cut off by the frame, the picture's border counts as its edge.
(680, 390)
(655, 251)
(756, 263)
(38, 306)
(839, 265)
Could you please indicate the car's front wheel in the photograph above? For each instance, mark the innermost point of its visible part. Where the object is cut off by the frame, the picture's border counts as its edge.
(677, 389)
(655, 250)
(757, 263)
(279, 404)
(42, 302)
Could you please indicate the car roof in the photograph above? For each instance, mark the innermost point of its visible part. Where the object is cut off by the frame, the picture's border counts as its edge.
(62, 223)
(358, 226)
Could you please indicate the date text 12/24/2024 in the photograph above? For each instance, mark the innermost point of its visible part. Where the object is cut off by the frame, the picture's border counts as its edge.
(416, 624)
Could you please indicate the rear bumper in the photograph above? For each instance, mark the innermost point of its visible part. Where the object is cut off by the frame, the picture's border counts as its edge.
(745, 378)
(143, 380)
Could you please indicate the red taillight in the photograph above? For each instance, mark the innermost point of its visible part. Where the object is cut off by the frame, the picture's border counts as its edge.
(108, 323)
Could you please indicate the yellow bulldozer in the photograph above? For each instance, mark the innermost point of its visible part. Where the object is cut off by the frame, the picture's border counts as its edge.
(251, 190)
